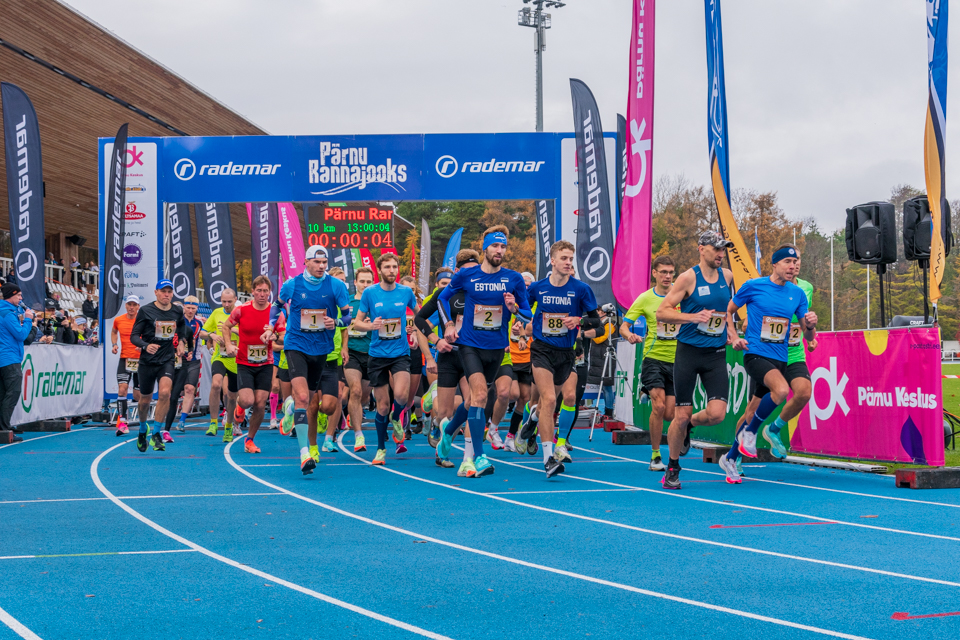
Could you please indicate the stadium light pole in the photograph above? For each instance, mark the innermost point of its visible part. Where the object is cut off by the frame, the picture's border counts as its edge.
(538, 20)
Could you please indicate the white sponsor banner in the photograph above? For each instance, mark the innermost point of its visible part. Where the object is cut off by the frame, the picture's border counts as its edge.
(141, 239)
(59, 381)
(627, 383)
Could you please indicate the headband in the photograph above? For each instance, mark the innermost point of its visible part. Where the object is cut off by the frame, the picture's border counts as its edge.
(493, 238)
(443, 275)
(785, 252)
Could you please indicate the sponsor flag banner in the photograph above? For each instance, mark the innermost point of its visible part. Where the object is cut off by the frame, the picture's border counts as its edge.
(342, 258)
(21, 136)
(453, 248)
(425, 246)
(59, 380)
(877, 395)
(594, 222)
(934, 148)
(112, 277)
(264, 243)
(621, 168)
(740, 263)
(633, 249)
(366, 260)
(180, 250)
(215, 233)
(357, 263)
(546, 235)
(291, 239)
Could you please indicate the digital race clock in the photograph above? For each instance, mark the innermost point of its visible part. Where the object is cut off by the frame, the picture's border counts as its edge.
(351, 225)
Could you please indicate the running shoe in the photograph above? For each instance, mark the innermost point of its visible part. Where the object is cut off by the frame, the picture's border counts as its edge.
(685, 449)
(398, 435)
(520, 445)
(359, 443)
(212, 429)
(510, 444)
(141, 442)
(407, 434)
(122, 428)
(656, 464)
(239, 415)
(483, 466)
(307, 464)
(228, 433)
(730, 468)
(528, 430)
(776, 444)
(444, 446)
(748, 444)
(416, 426)
(381, 457)
(560, 453)
(433, 437)
(401, 448)
(250, 447)
(443, 462)
(181, 426)
(274, 423)
(493, 437)
(740, 466)
(157, 442)
(532, 446)
(314, 453)
(671, 479)
(166, 436)
(286, 423)
(467, 469)
(330, 445)
(552, 467)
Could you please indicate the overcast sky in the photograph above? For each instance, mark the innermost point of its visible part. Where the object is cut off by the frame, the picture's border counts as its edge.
(826, 99)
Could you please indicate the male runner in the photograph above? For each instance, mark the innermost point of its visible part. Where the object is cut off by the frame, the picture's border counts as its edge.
(187, 376)
(448, 366)
(313, 300)
(383, 310)
(771, 303)
(162, 335)
(416, 363)
(703, 294)
(222, 368)
(563, 304)
(253, 353)
(659, 352)
(330, 424)
(355, 366)
(129, 360)
(490, 290)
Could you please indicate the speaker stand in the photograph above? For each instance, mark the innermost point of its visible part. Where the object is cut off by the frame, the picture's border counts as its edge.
(882, 269)
(924, 266)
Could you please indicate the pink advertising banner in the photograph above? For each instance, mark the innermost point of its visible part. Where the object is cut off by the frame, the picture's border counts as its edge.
(877, 395)
(632, 251)
(291, 240)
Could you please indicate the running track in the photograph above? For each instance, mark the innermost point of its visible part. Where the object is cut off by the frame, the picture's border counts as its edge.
(203, 540)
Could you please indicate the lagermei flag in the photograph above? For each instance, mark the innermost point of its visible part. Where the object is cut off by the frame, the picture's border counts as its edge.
(546, 235)
(740, 263)
(424, 256)
(21, 136)
(632, 251)
(934, 149)
(453, 248)
(291, 240)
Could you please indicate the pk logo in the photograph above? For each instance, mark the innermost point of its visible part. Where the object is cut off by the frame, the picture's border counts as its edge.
(134, 156)
(639, 147)
(836, 394)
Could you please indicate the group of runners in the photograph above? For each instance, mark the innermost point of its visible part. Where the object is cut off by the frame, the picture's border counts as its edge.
(486, 337)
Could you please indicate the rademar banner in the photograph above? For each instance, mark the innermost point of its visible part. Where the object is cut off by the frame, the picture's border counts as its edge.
(59, 381)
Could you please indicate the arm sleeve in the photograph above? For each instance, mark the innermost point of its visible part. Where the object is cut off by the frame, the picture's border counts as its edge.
(136, 333)
(523, 303)
(591, 320)
(345, 317)
(422, 317)
(443, 299)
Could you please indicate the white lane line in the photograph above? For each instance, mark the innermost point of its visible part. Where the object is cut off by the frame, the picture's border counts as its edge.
(94, 474)
(523, 563)
(97, 553)
(497, 496)
(731, 503)
(788, 484)
(520, 493)
(17, 627)
(59, 433)
(195, 495)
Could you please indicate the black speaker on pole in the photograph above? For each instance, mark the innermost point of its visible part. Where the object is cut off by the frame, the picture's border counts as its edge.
(918, 237)
(871, 238)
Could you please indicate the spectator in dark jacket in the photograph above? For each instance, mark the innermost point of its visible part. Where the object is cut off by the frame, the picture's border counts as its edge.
(89, 308)
(13, 332)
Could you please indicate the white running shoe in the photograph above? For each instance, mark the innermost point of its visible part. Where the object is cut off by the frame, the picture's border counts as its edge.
(656, 464)
(510, 444)
(274, 424)
(730, 468)
(493, 437)
(748, 444)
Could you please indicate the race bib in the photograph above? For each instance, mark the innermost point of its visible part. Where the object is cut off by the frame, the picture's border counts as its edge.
(390, 329)
(667, 331)
(411, 336)
(256, 353)
(796, 335)
(353, 333)
(164, 329)
(773, 329)
(553, 324)
(487, 317)
(715, 325)
(312, 319)
(177, 361)
(132, 365)
(459, 323)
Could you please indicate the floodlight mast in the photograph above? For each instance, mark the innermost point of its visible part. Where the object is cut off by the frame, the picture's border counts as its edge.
(540, 22)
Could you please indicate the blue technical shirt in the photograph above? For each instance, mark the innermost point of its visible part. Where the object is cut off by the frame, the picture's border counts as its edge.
(308, 304)
(391, 340)
(486, 318)
(553, 304)
(769, 310)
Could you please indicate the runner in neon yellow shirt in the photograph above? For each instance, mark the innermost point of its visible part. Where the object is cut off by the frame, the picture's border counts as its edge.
(221, 366)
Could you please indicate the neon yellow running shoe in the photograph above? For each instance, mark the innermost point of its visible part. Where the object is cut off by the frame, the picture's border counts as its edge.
(398, 435)
(315, 453)
(381, 457)
(212, 430)
(467, 469)
(286, 423)
(359, 443)
(228, 433)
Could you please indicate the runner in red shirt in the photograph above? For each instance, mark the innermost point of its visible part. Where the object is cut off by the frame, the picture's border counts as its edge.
(259, 326)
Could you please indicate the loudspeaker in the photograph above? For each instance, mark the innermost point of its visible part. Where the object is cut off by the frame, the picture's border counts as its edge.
(917, 228)
(871, 234)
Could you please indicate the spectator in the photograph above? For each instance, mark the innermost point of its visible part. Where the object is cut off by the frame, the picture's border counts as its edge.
(12, 334)
(89, 307)
(85, 335)
(11, 276)
(63, 329)
(74, 263)
(94, 267)
(51, 259)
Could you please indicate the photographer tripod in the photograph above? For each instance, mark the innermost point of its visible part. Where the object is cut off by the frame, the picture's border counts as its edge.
(609, 365)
